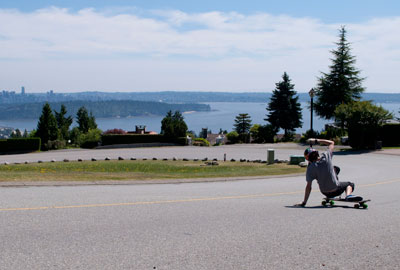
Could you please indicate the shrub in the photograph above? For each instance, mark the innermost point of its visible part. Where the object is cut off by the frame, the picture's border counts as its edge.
(363, 121)
(201, 142)
(90, 139)
(389, 134)
(233, 137)
(115, 131)
(54, 145)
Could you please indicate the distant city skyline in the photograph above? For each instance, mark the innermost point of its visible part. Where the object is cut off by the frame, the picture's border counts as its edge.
(229, 46)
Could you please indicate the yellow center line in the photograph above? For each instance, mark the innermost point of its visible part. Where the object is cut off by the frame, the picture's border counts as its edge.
(181, 201)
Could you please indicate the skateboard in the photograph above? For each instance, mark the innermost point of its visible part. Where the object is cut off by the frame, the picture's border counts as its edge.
(331, 202)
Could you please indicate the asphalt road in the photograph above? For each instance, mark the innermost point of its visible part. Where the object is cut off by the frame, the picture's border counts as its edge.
(248, 224)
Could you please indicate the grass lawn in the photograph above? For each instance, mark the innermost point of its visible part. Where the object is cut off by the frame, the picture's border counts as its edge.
(137, 170)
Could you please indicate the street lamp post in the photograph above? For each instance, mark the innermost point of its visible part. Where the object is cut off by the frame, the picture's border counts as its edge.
(312, 94)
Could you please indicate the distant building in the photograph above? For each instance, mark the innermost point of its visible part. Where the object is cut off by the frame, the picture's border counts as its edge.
(23, 90)
(141, 129)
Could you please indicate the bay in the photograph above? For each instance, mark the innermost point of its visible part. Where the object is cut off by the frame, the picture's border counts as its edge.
(221, 116)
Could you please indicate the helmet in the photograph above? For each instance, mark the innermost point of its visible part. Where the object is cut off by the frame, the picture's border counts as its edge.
(308, 151)
(312, 154)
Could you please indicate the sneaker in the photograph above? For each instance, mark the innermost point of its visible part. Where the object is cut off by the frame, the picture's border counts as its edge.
(353, 198)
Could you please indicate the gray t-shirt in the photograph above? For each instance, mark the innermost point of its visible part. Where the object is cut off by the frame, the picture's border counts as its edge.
(323, 171)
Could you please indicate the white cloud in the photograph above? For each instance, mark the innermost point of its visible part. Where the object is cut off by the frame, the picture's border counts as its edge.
(74, 51)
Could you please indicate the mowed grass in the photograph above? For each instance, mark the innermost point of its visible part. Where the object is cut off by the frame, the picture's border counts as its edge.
(137, 170)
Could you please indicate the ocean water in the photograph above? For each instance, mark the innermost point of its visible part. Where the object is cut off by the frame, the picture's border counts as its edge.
(221, 116)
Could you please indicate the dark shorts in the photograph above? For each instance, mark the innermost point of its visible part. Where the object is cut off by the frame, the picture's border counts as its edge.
(342, 188)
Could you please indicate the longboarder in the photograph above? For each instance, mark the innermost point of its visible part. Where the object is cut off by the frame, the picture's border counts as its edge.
(321, 168)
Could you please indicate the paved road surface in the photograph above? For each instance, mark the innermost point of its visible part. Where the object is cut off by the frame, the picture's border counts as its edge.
(221, 225)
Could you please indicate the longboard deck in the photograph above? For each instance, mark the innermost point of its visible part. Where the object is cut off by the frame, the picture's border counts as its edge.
(357, 204)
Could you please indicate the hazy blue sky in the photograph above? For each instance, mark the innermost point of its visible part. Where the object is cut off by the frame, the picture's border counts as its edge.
(119, 45)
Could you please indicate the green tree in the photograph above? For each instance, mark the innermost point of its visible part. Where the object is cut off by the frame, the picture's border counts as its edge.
(362, 119)
(85, 121)
(173, 125)
(342, 84)
(284, 108)
(180, 127)
(63, 122)
(47, 125)
(16, 134)
(242, 126)
(262, 133)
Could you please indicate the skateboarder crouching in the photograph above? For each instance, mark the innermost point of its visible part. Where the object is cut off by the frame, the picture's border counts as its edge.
(321, 168)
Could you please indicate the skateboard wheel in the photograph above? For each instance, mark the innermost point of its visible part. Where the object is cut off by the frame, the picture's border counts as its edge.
(357, 206)
(323, 203)
(331, 202)
(365, 206)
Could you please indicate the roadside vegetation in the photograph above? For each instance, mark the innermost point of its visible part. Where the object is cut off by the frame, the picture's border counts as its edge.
(138, 170)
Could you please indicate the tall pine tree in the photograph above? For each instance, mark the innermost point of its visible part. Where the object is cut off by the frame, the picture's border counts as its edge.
(242, 126)
(47, 125)
(85, 121)
(342, 84)
(284, 108)
(63, 121)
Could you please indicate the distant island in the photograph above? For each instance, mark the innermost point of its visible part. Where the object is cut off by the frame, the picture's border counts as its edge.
(100, 109)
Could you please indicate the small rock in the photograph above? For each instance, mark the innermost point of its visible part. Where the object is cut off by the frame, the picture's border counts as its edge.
(53, 160)
(132, 158)
(6, 163)
(66, 160)
(165, 159)
(80, 160)
(107, 158)
(204, 159)
(120, 158)
(40, 161)
(93, 159)
(174, 159)
(233, 160)
(185, 159)
(154, 158)
(195, 159)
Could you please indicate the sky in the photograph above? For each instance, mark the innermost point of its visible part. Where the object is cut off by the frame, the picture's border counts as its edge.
(177, 45)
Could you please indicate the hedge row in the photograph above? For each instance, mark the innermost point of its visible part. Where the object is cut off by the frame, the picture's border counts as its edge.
(390, 135)
(19, 145)
(110, 139)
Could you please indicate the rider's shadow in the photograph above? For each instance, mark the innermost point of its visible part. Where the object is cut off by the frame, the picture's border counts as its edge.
(320, 207)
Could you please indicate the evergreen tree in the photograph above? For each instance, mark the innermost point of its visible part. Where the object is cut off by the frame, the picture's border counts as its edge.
(63, 122)
(16, 134)
(242, 126)
(173, 125)
(284, 108)
(342, 84)
(47, 125)
(180, 127)
(85, 121)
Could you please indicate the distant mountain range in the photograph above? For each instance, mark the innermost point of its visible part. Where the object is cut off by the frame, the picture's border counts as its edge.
(121, 104)
(167, 96)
